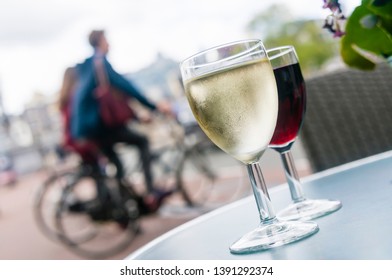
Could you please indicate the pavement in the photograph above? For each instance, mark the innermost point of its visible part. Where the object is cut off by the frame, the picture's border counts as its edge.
(21, 239)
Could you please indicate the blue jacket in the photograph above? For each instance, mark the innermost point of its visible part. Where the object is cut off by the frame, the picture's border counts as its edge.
(85, 119)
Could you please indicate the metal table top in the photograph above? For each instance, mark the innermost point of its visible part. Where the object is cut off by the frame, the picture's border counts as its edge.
(361, 229)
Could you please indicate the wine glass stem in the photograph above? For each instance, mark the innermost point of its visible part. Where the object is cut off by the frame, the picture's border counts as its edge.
(260, 193)
(292, 177)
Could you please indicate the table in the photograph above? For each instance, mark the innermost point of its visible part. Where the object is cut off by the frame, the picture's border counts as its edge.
(361, 229)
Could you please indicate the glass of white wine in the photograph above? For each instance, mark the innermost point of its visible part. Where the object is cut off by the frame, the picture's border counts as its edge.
(232, 92)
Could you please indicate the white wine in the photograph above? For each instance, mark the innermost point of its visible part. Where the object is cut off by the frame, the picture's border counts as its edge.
(237, 107)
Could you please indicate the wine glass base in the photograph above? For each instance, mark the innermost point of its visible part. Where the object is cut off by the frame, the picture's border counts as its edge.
(309, 209)
(272, 235)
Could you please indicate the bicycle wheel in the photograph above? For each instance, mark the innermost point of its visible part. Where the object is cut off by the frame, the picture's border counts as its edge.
(98, 229)
(209, 178)
(47, 200)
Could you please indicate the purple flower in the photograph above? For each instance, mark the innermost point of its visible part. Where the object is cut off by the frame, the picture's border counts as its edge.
(338, 34)
(333, 5)
(334, 20)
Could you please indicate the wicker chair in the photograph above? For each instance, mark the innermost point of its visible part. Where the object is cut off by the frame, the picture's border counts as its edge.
(348, 117)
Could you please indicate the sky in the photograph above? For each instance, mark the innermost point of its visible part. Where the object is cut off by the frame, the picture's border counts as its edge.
(40, 38)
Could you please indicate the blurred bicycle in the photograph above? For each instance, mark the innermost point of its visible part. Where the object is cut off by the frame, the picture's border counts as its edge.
(181, 162)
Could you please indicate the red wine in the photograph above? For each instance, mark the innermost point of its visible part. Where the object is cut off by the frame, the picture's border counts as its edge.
(292, 103)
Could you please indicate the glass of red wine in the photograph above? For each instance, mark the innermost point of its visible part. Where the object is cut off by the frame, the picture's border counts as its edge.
(292, 106)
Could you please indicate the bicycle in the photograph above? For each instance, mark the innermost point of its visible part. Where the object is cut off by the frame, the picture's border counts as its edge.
(103, 228)
(99, 232)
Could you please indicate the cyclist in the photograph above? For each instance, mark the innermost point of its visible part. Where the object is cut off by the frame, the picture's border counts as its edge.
(89, 150)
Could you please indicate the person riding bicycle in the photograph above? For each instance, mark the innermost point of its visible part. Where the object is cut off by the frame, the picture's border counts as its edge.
(84, 129)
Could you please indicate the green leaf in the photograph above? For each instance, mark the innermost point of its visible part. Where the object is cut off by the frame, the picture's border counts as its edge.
(380, 2)
(383, 9)
(376, 39)
(352, 58)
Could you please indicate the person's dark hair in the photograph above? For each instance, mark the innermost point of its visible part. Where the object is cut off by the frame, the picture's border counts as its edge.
(95, 36)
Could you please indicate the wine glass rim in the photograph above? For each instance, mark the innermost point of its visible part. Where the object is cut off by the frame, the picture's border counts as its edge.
(257, 41)
(287, 49)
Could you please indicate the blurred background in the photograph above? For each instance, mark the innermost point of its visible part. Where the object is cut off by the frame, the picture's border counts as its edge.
(39, 39)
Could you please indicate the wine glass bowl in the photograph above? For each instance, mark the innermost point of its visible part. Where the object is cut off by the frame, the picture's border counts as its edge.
(292, 97)
(292, 106)
(220, 105)
(232, 92)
